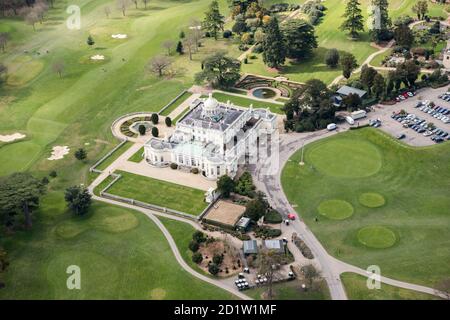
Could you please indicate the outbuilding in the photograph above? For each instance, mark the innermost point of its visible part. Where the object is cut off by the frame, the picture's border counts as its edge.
(250, 247)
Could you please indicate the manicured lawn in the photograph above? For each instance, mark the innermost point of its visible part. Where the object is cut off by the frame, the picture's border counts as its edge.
(77, 110)
(113, 157)
(399, 195)
(291, 291)
(182, 234)
(356, 289)
(246, 102)
(137, 157)
(161, 193)
(176, 103)
(121, 254)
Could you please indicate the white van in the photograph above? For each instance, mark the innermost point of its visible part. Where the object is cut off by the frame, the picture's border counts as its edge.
(331, 127)
(350, 120)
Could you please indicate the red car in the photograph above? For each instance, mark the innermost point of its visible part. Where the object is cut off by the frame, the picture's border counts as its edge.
(406, 95)
(291, 216)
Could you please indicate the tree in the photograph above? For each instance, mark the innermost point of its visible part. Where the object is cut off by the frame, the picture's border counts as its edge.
(20, 192)
(197, 257)
(135, 3)
(214, 21)
(198, 236)
(193, 246)
(90, 41)
(274, 47)
(421, 9)
(220, 70)
(299, 37)
(379, 85)
(40, 8)
(411, 71)
(142, 129)
(78, 199)
(155, 132)
(196, 31)
(255, 209)
(180, 47)
(213, 269)
(123, 6)
(332, 58)
(239, 26)
(107, 11)
(354, 20)
(168, 45)
(311, 274)
(189, 43)
(443, 287)
(218, 259)
(4, 37)
(380, 20)
(267, 259)
(158, 64)
(31, 19)
(367, 77)
(58, 67)
(348, 63)
(403, 36)
(168, 121)
(352, 102)
(3, 262)
(80, 154)
(225, 185)
(154, 118)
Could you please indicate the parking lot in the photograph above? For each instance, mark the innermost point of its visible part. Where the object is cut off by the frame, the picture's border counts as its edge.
(412, 137)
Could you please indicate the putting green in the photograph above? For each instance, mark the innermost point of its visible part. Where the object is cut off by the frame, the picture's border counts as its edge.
(345, 159)
(372, 200)
(335, 209)
(377, 237)
(114, 220)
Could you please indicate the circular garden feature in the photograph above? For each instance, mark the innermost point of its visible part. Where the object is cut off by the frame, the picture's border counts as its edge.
(377, 237)
(372, 200)
(335, 209)
(345, 158)
(264, 93)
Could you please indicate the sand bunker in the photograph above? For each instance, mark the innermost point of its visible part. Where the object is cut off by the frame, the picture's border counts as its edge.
(98, 57)
(119, 36)
(11, 137)
(59, 152)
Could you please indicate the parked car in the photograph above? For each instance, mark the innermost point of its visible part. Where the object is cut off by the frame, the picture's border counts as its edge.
(401, 136)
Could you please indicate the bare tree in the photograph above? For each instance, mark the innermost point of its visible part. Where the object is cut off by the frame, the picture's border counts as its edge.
(168, 45)
(443, 287)
(135, 3)
(145, 3)
(4, 37)
(41, 8)
(107, 11)
(268, 261)
(32, 18)
(311, 274)
(123, 6)
(158, 64)
(189, 44)
(196, 30)
(58, 67)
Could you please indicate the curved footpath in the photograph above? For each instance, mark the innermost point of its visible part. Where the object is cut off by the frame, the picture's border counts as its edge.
(331, 267)
(173, 246)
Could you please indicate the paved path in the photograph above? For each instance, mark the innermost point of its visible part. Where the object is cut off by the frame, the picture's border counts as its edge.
(331, 267)
(179, 110)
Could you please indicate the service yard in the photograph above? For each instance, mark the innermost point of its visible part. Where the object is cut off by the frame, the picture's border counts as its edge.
(396, 128)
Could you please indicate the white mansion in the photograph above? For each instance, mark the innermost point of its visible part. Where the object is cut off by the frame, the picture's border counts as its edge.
(215, 138)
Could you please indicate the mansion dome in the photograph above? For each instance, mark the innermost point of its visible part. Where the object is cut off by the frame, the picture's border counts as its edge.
(210, 106)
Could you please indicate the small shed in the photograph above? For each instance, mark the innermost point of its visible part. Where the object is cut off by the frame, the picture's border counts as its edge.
(243, 224)
(276, 245)
(250, 247)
